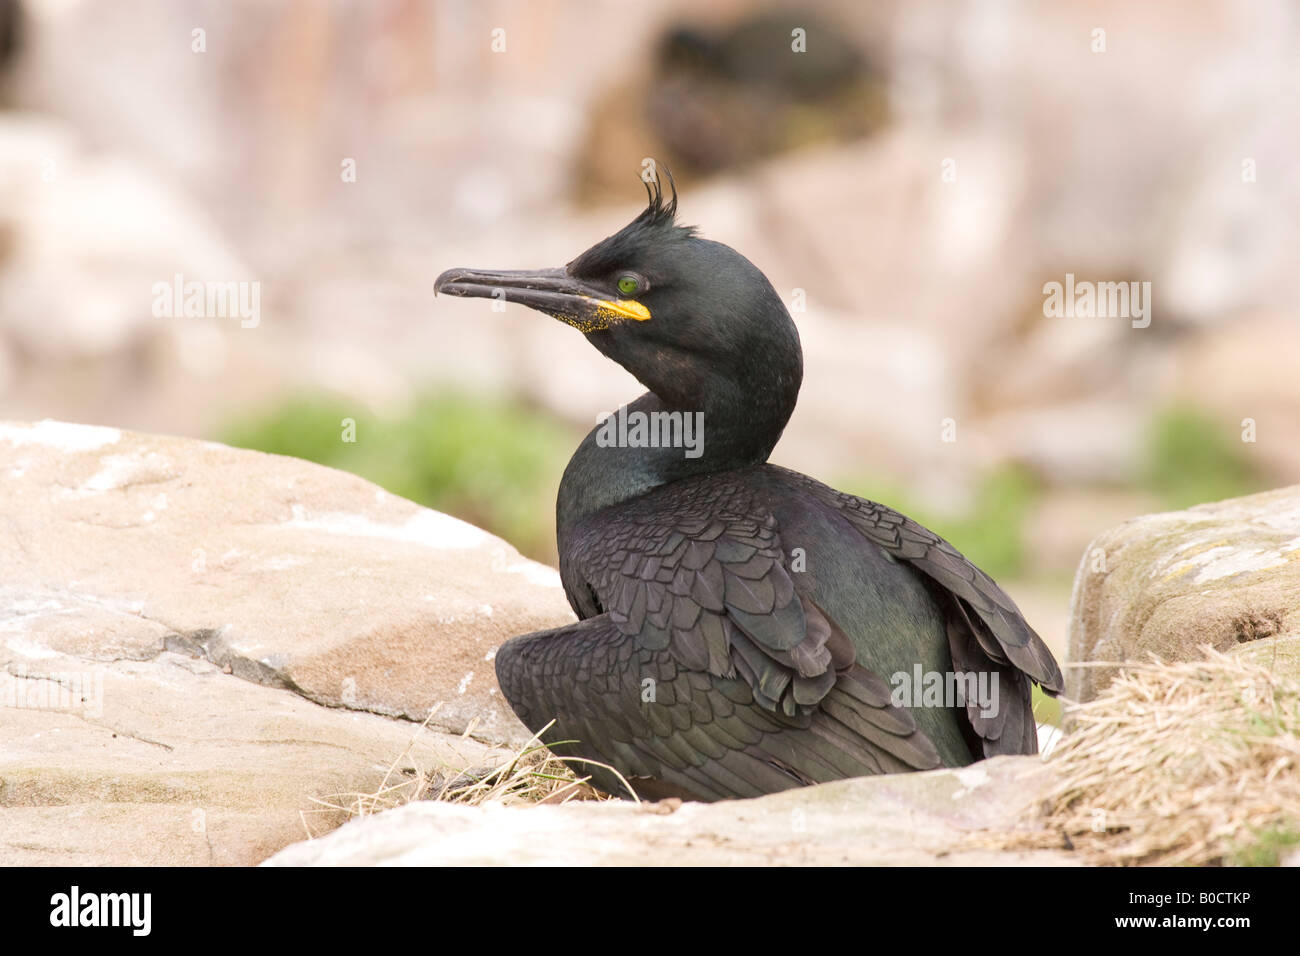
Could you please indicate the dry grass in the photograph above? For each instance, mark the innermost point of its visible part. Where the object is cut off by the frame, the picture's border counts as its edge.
(529, 775)
(1194, 763)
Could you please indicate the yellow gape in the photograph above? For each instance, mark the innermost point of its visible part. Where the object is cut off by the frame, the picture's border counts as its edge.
(623, 309)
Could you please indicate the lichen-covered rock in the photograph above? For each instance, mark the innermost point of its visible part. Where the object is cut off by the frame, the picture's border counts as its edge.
(1223, 574)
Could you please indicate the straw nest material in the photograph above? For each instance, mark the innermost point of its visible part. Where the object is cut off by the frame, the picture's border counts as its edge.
(1193, 763)
(530, 774)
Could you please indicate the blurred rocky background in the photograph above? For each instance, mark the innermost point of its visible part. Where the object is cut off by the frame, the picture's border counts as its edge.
(909, 181)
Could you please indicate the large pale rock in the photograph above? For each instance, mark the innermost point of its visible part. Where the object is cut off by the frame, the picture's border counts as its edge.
(1222, 574)
(922, 818)
(116, 545)
(174, 613)
(167, 760)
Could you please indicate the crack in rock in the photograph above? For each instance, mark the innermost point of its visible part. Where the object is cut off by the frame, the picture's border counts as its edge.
(207, 643)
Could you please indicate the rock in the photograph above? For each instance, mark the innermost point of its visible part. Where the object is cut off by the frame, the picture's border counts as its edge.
(116, 545)
(904, 819)
(1223, 574)
(174, 613)
(166, 760)
(1279, 654)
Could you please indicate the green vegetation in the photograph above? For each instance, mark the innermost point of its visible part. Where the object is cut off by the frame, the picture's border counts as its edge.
(1192, 459)
(494, 463)
(1268, 847)
(1047, 710)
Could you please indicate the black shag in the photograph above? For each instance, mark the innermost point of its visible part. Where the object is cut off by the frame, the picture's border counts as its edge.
(743, 628)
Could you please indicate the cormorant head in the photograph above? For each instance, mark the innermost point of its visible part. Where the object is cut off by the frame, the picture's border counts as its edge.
(693, 320)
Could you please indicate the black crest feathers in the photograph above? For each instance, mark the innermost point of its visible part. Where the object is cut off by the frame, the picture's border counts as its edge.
(656, 223)
(657, 211)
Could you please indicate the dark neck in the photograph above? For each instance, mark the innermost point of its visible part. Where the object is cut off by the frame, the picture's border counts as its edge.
(734, 434)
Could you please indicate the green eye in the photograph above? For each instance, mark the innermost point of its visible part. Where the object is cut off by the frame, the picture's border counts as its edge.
(628, 285)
